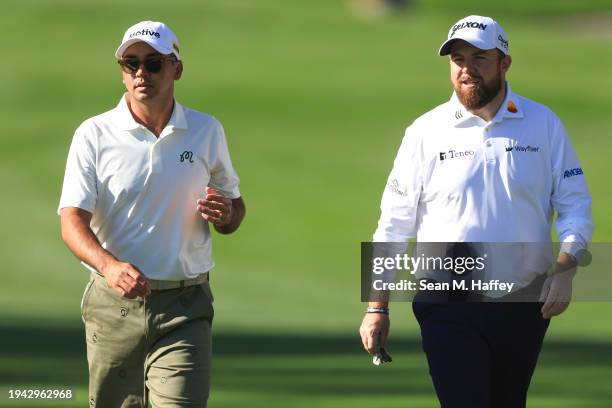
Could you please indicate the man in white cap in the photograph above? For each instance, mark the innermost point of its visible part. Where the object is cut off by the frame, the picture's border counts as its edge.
(488, 166)
(142, 183)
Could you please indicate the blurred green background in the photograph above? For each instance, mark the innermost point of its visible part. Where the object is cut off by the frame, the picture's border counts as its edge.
(314, 96)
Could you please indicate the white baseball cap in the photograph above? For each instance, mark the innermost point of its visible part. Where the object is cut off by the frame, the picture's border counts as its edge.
(482, 32)
(156, 34)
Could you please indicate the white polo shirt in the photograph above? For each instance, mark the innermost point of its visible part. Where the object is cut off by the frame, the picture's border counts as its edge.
(142, 190)
(458, 178)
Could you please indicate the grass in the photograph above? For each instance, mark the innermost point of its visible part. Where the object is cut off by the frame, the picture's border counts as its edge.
(301, 370)
(314, 103)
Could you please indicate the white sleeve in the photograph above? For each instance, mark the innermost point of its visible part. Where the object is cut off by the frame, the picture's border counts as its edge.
(400, 199)
(80, 180)
(223, 177)
(570, 197)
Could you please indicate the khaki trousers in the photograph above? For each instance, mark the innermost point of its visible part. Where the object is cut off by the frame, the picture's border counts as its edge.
(153, 350)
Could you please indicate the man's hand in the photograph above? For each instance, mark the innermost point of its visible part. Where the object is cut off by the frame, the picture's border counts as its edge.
(557, 290)
(215, 207)
(374, 331)
(125, 279)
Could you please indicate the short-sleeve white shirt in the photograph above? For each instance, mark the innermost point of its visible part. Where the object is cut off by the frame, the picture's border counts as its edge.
(142, 189)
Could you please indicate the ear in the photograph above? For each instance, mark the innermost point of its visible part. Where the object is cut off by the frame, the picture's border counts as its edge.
(178, 70)
(505, 63)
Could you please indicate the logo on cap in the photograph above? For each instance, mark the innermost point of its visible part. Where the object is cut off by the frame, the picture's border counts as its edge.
(146, 31)
(467, 24)
(502, 42)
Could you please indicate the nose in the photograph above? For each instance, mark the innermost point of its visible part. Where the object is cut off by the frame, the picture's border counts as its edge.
(468, 68)
(141, 71)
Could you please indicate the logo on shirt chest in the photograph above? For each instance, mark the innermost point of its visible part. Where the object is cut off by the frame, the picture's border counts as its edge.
(524, 149)
(186, 156)
(454, 154)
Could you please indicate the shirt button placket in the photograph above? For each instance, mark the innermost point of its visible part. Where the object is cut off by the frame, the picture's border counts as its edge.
(155, 158)
(489, 148)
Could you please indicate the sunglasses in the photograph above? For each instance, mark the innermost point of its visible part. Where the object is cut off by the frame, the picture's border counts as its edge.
(152, 64)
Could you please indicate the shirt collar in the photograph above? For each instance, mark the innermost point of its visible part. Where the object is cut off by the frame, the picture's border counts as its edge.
(510, 108)
(126, 121)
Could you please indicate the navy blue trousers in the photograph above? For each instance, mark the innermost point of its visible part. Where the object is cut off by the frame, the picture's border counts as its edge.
(480, 355)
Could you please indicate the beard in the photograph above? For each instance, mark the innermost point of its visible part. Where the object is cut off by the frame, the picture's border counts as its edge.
(480, 95)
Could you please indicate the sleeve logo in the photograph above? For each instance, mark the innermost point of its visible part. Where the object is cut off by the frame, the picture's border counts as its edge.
(393, 185)
(572, 172)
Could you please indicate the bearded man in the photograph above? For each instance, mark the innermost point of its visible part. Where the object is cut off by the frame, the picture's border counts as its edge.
(488, 166)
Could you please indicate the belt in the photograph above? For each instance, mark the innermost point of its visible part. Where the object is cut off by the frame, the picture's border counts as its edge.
(165, 285)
